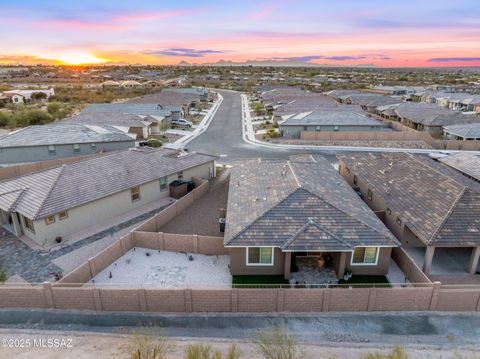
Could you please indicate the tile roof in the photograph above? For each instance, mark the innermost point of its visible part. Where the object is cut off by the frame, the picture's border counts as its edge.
(332, 118)
(431, 115)
(144, 109)
(46, 192)
(107, 118)
(465, 162)
(298, 206)
(470, 130)
(429, 196)
(58, 134)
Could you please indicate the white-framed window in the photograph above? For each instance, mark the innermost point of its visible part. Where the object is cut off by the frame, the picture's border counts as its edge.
(93, 146)
(51, 149)
(259, 256)
(365, 256)
(163, 184)
(135, 193)
(50, 219)
(180, 175)
(62, 215)
(76, 147)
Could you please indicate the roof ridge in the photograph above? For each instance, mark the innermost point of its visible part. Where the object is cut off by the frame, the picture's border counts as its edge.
(40, 207)
(449, 212)
(341, 210)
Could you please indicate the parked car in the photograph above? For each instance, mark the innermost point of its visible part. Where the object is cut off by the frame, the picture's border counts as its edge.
(182, 122)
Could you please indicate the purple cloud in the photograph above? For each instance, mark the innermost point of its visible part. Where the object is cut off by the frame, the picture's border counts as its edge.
(344, 58)
(452, 59)
(184, 52)
(297, 58)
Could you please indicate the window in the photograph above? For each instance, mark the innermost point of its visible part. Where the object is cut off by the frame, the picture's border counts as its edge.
(180, 175)
(318, 128)
(389, 211)
(369, 194)
(399, 221)
(135, 193)
(49, 220)
(305, 128)
(335, 128)
(365, 255)
(163, 183)
(260, 256)
(76, 147)
(93, 146)
(29, 224)
(62, 215)
(51, 149)
(355, 180)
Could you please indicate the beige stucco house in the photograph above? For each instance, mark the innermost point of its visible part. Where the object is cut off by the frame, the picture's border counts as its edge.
(282, 212)
(63, 200)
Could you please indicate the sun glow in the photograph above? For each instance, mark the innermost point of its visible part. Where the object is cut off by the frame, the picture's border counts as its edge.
(79, 58)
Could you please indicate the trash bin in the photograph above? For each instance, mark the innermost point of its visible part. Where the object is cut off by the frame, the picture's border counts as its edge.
(221, 223)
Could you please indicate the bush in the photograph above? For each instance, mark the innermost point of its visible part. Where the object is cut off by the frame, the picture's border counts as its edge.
(396, 353)
(278, 345)
(3, 275)
(272, 133)
(147, 346)
(204, 351)
(153, 142)
(5, 119)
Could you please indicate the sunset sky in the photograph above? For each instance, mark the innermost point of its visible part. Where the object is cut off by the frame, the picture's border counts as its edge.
(342, 32)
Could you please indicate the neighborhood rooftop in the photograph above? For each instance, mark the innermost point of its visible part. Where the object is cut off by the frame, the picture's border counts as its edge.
(46, 192)
(63, 134)
(107, 118)
(465, 162)
(145, 109)
(466, 131)
(298, 206)
(332, 118)
(440, 205)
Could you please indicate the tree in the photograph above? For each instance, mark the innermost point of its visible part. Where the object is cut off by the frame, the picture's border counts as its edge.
(39, 96)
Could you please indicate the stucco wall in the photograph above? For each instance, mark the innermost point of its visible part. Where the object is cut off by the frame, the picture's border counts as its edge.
(40, 153)
(295, 131)
(105, 208)
(238, 266)
(380, 268)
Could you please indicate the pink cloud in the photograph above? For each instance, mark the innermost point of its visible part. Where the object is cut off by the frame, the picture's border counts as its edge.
(148, 16)
(264, 13)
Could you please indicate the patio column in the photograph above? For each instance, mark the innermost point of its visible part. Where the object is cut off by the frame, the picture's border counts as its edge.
(16, 224)
(341, 264)
(427, 262)
(288, 264)
(472, 265)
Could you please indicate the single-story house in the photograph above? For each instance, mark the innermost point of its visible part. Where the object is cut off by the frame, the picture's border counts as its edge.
(280, 212)
(142, 126)
(27, 94)
(466, 163)
(329, 121)
(65, 199)
(49, 142)
(469, 131)
(427, 205)
(201, 92)
(142, 109)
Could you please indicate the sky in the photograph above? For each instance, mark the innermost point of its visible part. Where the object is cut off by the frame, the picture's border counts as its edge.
(342, 32)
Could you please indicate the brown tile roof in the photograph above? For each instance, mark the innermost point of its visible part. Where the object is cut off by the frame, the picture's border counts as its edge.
(298, 206)
(465, 162)
(431, 198)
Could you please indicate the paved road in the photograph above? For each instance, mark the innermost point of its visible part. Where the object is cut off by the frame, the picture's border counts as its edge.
(461, 329)
(224, 136)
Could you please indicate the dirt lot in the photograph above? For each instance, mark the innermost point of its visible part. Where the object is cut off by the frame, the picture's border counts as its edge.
(86, 345)
(202, 217)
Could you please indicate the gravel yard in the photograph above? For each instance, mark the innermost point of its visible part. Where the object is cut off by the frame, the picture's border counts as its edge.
(142, 267)
(359, 143)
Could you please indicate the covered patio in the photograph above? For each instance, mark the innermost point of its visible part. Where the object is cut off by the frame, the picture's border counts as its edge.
(312, 269)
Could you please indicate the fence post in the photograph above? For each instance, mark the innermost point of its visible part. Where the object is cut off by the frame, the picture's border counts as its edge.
(372, 293)
(435, 292)
(142, 299)
(234, 300)
(280, 299)
(326, 300)
(195, 243)
(47, 290)
(97, 300)
(161, 241)
(188, 300)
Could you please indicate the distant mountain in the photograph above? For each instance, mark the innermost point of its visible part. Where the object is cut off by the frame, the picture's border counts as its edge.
(277, 63)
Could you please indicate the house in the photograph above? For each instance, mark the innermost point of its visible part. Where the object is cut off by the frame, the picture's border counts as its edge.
(142, 126)
(466, 163)
(27, 94)
(201, 92)
(142, 109)
(49, 142)
(59, 201)
(469, 131)
(281, 212)
(329, 121)
(167, 99)
(15, 97)
(428, 206)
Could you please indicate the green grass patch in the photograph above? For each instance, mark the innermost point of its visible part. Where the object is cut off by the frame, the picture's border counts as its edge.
(255, 281)
(367, 281)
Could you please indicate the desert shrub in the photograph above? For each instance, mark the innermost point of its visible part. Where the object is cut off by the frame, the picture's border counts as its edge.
(204, 351)
(3, 275)
(153, 142)
(278, 345)
(148, 346)
(395, 353)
